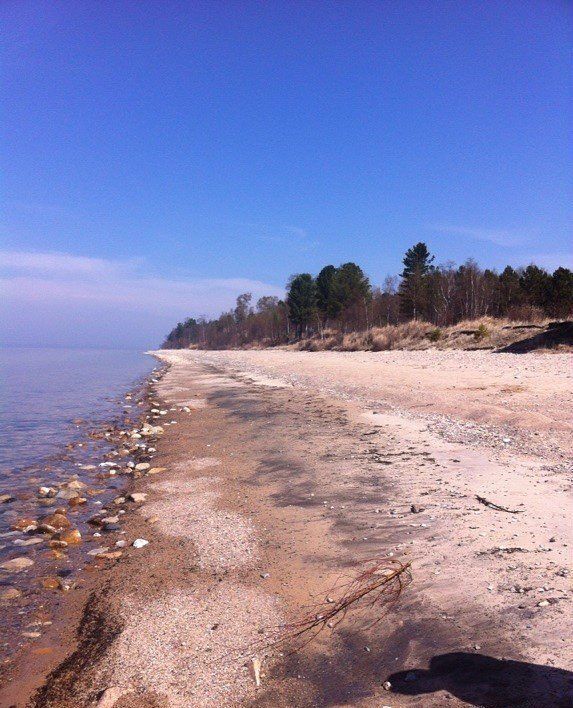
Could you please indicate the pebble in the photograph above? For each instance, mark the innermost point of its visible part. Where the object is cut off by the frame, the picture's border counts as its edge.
(28, 542)
(16, 565)
(71, 537)
(137, 497)
(10, 594)
(140, 543)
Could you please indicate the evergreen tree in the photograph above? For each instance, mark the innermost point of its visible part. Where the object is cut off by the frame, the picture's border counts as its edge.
(324, 293)
(536, 285)
(301, 300)
(414, 291)
(562, 293)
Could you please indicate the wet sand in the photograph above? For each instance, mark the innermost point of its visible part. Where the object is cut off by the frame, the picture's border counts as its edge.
(282, 473)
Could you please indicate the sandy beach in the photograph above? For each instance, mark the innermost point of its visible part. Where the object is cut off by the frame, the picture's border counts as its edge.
(279, 473)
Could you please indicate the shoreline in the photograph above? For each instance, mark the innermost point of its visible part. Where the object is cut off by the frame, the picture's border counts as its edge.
(56, 585)
(272, 487)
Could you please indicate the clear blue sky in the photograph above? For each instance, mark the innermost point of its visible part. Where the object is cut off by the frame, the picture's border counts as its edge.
(160, 157)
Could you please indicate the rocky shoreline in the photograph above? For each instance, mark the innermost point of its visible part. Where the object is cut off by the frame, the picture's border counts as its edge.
(71, 519)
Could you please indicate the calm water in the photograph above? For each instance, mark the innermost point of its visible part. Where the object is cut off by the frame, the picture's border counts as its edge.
(50, 401)
(44, 390)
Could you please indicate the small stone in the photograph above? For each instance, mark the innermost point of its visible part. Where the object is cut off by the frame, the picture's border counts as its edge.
(77, 501)
(32, 635)
(57, 520)
(142, 466)
(23, 524)
(387, 686)
(6, 498)
(97, 551)
(110, 555)
(51, 583)
(156, 470)
(543, 603)
(10, 594)
(140, 543)
(264, 576)
(28, 542)
(71, 537)
(415, 509)
(137, 497)
(16, 565)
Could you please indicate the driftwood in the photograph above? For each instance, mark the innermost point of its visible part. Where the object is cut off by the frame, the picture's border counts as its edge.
(376, 587)
(497, 507)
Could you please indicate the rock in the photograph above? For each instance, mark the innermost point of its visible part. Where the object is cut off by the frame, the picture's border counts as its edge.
(67, 494)
(24, 524)
(110, 520)
(543, 603)
(77, 501)
(97, 551)
(16, 565)
(47, 491)
(110, 555)
(6, 498)
(28, 542)
(46, 528)
(55, 543)
(119, 500)
(75, 484)
(121, 544)
(387, 686)
(112, 527)
(156, 470)
(71, 537)
(32, 635)
(52, 583)
(140, 543)
(57, 520)
(137, 497)
(10, 594)
(415, 509)
(142, 466)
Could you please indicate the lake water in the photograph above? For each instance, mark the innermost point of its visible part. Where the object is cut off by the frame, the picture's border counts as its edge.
(52, 403)
(44, 390)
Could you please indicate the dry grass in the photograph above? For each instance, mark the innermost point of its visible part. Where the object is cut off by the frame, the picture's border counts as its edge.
(483, 333)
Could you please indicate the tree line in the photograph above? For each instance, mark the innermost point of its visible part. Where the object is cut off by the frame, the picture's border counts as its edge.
(343, 299)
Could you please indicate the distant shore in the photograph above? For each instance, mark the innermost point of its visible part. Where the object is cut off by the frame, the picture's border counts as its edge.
(273, 474)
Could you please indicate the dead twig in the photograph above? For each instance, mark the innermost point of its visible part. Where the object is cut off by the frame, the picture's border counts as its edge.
(497, 507)
(377, 586)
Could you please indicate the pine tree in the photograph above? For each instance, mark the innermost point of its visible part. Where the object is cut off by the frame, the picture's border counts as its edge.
(301, 301)
(414, 286)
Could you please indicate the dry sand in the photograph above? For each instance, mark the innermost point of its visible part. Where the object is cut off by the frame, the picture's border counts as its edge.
(288, 470)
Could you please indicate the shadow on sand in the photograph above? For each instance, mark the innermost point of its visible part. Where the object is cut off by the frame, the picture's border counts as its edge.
(489, 683)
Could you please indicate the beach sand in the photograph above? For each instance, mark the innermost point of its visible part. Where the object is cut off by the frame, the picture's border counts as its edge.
(283, 472)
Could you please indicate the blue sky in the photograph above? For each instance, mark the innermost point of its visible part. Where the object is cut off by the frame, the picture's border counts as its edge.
(158, 158)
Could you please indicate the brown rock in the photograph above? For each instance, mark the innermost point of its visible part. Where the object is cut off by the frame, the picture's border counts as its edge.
(10, 594)
(57, 520)
(76, 501)
(71, 537)
(51, 583)
(23, 523)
